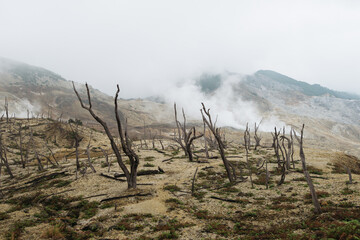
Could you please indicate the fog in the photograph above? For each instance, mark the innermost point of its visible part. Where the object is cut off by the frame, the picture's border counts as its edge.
(146, 46)
(226, 107)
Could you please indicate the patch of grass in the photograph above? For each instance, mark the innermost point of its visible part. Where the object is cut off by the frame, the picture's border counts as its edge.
(149, 165)
(347, 191)
(320, 194)
(53, 232)
(59, 183)
(202, 214)
(149, 159)
(174, 200)
(4, 216)
(17, 228)
(172, 188)
(106, 205)
(168, 235)
(218, 228)
(345, 230)
(89, 209)
(315, 170)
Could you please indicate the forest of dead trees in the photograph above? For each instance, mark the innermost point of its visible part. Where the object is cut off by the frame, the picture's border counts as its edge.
(183, 138)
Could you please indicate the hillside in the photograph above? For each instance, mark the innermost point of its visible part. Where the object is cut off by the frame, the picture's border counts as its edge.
(46, 94)
(59, 202)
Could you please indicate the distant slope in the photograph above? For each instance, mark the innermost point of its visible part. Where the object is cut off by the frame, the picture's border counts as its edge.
(305, 88)
(43, 93)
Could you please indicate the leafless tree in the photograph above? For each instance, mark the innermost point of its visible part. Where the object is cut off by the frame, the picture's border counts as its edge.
(348, 170)
(276, 146)
(230, 170)
(6, 106)
(185, 138)
(256, 136)
(125, 141)
(88, 154)
(77, 138)
(306, 173)
(205, 141)
(106, 158)
(247, 148)
(21, 147)
(4, 159)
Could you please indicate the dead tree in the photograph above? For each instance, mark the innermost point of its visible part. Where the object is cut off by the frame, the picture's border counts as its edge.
(306, 173)
(77, 138)
(125, 142)
(292, 148)
(6, 106)
(31, 141)
(347, 169)
(205, 142)
(4, 159)
(256, 136)
(185, 138)
(276, 146)
(106, 158)
(21, 148)
(286, 150)
(247, 147)
(88, 154)
(230, 170)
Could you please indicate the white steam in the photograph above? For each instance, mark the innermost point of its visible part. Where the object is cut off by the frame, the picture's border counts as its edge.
(225, 104)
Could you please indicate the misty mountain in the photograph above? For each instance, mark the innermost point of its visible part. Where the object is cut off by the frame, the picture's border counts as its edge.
(43, 93)
(331, 117)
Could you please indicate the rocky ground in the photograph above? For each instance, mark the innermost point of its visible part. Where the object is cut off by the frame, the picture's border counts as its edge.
(62, 203)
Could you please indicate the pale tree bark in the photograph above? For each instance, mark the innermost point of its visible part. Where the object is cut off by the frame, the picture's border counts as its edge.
(185, 138)
(106, 158)
(306, 173)
(131, 175)
(256, 136)
(6, 106)
(247, 148)
(88, 154)
(230, 171)
(4, 159)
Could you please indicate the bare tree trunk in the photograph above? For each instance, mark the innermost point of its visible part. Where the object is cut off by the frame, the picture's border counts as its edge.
(89, 160)
(106, 158)
(162, 145)
(216, 132)
(125, 142)
(185, 138)
(267, 174)
(205, 142)
(40, 166)
(247, 147)
(306, 173)
(256, 136)
(7, 110)
(193, 182)
(21, 148)
(349, 173)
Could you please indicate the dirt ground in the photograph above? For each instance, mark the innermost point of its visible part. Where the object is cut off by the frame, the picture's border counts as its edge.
(62, 203)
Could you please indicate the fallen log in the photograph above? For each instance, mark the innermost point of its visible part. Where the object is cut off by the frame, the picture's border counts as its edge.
(140, 173)
(227, 200)
(126, 196)
(114, 178)
(98, 195)
(169, 159)
(46, 177)
(159, 151)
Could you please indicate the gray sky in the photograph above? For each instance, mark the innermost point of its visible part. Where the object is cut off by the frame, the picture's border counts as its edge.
(146, 46)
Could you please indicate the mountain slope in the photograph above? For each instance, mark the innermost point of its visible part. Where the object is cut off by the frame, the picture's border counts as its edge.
(43, 93)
